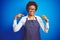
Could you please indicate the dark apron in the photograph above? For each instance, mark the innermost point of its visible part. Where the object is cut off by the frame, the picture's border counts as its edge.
(31, 28)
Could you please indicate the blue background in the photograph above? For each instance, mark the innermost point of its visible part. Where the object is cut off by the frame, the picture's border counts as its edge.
(9, 8)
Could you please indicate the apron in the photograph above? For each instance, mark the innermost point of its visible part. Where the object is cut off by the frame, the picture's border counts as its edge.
(31, 29)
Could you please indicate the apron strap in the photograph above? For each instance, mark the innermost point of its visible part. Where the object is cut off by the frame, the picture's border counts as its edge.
(27, 18)
(36, 18)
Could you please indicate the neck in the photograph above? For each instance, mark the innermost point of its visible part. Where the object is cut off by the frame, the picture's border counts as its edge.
(31, 16)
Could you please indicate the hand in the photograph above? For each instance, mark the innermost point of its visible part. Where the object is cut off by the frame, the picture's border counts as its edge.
(45, 18)
(18, 15)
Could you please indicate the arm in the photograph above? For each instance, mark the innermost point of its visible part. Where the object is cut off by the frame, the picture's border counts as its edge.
(44, 27)
(17, 27)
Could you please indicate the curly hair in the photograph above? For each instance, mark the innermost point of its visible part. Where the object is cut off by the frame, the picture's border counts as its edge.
(29, 4)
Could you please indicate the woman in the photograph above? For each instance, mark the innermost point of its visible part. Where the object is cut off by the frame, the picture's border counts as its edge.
(31, 23)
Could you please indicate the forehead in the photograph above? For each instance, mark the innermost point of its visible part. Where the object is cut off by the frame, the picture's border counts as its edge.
(32, 6)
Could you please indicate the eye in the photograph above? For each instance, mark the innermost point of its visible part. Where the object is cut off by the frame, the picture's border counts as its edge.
(32, 9)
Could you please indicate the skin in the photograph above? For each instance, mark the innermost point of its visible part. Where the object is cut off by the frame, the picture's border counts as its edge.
(18, 15)
(31, 12)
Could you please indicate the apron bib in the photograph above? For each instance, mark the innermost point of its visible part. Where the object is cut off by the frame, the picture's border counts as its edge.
(31, 29)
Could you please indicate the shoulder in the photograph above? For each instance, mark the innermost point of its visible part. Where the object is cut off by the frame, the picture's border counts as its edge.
(38, 17)
(24, 17)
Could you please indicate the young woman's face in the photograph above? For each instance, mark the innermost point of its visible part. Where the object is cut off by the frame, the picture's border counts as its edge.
(31, 10)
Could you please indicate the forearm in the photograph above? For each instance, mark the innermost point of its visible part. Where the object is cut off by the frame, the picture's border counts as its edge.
(47, 27)
(16, 27)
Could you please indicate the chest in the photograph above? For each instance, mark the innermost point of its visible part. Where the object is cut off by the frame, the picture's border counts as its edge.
(32, 24)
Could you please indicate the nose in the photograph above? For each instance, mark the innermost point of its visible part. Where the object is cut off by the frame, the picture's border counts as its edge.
(31, 10)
